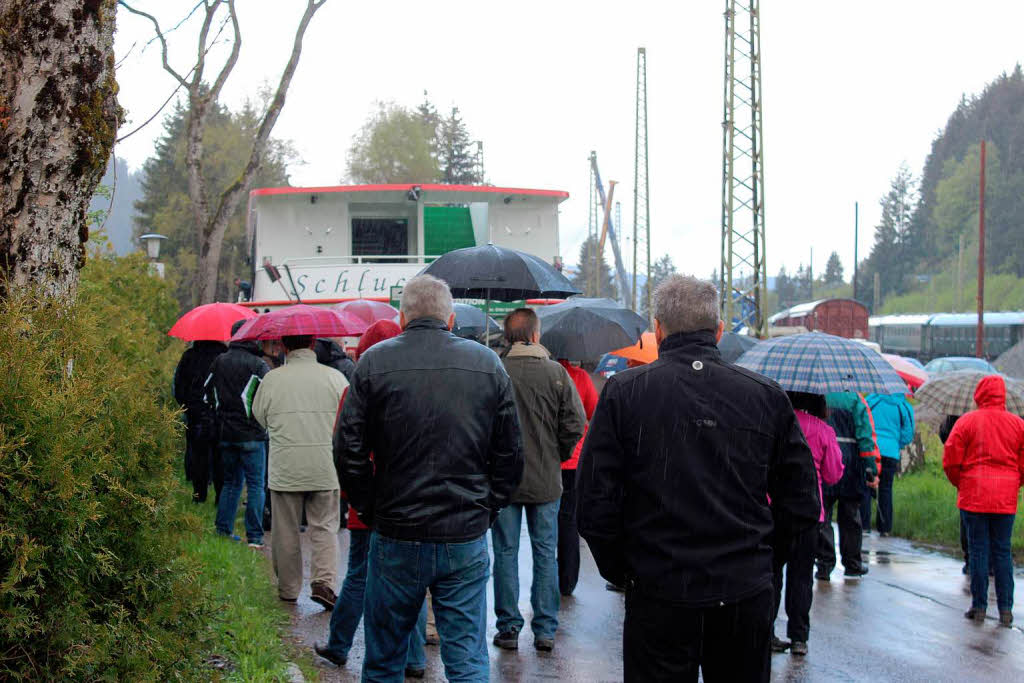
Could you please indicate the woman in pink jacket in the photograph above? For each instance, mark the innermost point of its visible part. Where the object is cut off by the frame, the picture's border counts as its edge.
(797, 553)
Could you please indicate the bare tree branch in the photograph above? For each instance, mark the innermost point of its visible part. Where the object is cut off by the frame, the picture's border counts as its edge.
(159, 34)
(218, 84)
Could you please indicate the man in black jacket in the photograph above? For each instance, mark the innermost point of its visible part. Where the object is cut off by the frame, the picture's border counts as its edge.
(230, 388)
(438, 415)
(674, 481)
(331, 354)
(200, 438)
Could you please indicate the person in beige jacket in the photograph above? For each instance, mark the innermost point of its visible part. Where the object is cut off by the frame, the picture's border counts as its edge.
(297, 403)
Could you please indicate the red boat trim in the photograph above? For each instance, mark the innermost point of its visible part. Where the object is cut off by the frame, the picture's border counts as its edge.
(384, 299)
(405, 187)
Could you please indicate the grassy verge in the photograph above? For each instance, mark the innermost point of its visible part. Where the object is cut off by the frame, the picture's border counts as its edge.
(925, 504)
(249, 629)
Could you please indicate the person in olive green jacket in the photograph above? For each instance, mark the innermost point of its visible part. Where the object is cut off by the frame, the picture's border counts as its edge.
(552, 420)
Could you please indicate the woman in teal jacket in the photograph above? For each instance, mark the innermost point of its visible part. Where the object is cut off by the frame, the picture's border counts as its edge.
(894, 428)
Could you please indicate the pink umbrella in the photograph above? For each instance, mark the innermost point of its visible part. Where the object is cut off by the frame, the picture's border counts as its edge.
(210, 322)
(370, 311)
(301, 319)
(908, 372)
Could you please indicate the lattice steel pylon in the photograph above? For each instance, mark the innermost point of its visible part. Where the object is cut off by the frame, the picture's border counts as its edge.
(593, 226)
(641, 193)
(743, 275)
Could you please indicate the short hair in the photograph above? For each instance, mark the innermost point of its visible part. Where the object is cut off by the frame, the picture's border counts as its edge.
(297, 341)
(237, 325)
(425, 296)
(520, 325)
(683, 303)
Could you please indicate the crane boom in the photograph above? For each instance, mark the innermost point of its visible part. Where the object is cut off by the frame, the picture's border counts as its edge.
(620, 271)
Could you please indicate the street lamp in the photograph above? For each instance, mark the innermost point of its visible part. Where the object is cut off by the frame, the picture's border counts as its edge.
(152, 241)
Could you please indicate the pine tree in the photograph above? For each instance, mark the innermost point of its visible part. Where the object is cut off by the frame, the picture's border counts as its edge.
(605, 285)
(833, 270)
(457, 160)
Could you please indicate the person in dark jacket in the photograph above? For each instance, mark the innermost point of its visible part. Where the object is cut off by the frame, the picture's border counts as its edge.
(230, 388)
(849, 418)
(201, 440)
(552, 419)
(329, 353)
(438, 414)
(674, 482)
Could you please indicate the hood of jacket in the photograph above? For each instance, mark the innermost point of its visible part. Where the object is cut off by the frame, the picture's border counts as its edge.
(527, 350)
(991, 392)
(328, 352)
(876, 400)
(252, 346)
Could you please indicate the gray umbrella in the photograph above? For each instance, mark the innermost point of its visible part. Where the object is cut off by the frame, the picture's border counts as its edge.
(499, 274)
(585, 329)
(733, 345)
(469, 322)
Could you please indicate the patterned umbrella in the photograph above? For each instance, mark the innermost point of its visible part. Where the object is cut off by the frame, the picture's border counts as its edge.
(820, 363)
(210, 322)
(301, 319)
(953, 393)
(370, 311)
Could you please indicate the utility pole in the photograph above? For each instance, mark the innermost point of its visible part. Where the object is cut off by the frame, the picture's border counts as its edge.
(876, 302)
(810, 276)
(856, 242)
(743, 233)
(641, 192)
(959, 275)
(979, 349)
(618, 223)
(592, 275)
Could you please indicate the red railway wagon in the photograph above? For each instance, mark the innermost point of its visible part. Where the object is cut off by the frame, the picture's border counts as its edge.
(841, 317)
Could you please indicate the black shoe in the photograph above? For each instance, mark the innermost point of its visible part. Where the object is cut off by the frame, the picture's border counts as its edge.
(822, 575)
(855, 573)
(411, 672)
(883, 534)
(799, 648)
(544, 644)
(975, 614)
(615, 589)
(507, 640)
(333, 658)
(780, 645)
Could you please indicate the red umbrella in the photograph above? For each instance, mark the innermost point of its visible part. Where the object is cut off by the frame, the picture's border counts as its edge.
(210, 322)
(301, 319)
(908, 372)
(370, 311)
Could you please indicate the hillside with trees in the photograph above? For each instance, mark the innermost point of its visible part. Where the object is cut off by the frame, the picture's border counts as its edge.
(926, 243)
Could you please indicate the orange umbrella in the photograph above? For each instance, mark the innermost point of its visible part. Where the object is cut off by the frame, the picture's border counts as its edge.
(644, 351)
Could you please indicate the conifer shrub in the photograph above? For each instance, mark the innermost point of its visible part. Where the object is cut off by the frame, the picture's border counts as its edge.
(94, 584)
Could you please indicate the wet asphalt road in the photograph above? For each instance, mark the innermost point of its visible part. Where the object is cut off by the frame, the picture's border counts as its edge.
(902, 622)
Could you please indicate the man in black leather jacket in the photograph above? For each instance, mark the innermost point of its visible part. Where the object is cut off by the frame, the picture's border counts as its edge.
(438, 415)
(674, 481)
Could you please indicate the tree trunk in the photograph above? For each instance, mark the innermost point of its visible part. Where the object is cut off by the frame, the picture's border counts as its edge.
(58, 120)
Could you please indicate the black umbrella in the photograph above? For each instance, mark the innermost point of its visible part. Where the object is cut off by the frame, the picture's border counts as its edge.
(499, 274)
(584, 329)
(734, 345)
(469, 322)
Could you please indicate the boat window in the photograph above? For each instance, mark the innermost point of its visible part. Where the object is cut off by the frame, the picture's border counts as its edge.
(380, 237)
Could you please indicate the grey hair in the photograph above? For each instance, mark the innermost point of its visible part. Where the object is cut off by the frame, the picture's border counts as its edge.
(683, 303)
(425, 296)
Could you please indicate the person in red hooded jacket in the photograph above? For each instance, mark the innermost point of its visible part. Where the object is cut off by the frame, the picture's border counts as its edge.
(568, 535)
(984, 460)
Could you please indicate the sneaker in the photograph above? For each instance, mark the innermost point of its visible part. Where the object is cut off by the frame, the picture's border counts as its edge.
(321, 594)
(330, 656)
(258, 545)
(1005, 618)
(612, 587)
(544, 644)
(233, 537)
(883, 534)
(780, 645)
(413, 672)
(799, 648)
(975, 614)
(507, 640)
(855, 573)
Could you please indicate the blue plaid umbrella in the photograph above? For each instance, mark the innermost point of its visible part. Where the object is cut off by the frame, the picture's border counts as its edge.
(820, 363)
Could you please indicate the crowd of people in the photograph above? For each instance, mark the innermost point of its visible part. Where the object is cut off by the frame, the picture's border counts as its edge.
(700, 485)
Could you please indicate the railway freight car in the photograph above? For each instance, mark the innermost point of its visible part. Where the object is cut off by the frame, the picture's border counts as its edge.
(841, 317)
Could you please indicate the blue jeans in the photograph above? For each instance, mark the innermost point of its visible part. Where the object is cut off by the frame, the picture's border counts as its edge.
(542, 523)
(990, 533)
(398, 576)
(348, 610)
(244, 461)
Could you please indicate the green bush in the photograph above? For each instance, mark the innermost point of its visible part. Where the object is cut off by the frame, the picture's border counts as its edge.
(94, 583)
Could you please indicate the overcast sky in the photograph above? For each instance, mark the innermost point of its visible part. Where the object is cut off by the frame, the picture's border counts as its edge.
(851, 90)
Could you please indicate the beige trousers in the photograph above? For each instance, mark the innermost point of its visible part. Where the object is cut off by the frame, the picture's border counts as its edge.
(322, 515)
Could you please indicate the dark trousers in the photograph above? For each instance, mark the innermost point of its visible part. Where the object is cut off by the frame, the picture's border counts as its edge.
(988, 535)
(204, 462)
(890, 468)
(796, 554)
(666, 642)
(963, 542)
(847, 511)
(568, 536)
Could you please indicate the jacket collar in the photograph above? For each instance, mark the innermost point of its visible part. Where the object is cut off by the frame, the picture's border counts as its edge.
(301, 356)
(252, 347)
(527, 350)
(685, 344)
(426, 324)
